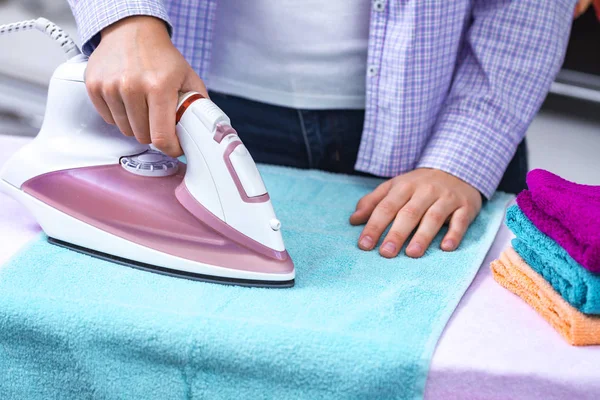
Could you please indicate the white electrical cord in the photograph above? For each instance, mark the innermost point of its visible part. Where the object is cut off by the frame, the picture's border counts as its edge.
(49, 28)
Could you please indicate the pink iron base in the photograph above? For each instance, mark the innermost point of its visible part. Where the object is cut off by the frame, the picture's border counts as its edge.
(144, 210)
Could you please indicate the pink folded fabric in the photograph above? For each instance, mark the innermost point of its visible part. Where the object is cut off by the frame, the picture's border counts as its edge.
(567, 212)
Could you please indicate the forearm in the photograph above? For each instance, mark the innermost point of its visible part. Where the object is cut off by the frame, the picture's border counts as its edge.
(92, 16)
(510, 57)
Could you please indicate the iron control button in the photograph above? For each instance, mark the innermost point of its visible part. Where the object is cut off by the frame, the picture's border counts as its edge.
(246, 171)
(209, 114)
(151, 163)
(275, 224)
(223, 131)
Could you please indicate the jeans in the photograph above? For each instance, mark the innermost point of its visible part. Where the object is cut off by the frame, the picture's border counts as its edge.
(319, 139)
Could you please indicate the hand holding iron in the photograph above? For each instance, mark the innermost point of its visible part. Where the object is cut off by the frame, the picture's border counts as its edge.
(134, 78)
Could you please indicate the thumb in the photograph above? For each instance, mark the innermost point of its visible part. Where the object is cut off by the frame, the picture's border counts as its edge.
(193, 83)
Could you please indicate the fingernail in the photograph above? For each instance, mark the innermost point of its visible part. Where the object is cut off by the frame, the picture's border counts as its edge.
(389, 247)
(366, 242)
(414, 248)
(448, 244)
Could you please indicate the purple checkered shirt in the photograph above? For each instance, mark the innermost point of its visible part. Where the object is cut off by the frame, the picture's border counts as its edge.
(451, 85)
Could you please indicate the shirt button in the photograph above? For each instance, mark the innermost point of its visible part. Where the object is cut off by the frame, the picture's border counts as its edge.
(379, 5)
(372, 70)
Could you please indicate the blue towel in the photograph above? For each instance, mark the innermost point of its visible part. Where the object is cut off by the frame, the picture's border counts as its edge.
(356, 325)
(576, 285)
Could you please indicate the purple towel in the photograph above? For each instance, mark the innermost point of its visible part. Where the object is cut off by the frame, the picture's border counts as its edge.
(567, 212)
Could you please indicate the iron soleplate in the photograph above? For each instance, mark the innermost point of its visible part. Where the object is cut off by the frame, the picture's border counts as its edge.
(172, 272)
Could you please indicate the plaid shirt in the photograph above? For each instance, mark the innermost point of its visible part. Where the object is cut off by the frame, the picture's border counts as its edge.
(451, 85)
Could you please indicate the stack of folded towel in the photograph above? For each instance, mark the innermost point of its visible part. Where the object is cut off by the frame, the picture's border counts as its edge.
(554, 262)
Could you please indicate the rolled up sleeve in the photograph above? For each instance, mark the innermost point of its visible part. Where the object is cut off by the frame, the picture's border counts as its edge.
(511, 54)
(92, 16)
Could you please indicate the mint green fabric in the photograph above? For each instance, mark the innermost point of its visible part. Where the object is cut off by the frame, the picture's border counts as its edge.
(356, 325)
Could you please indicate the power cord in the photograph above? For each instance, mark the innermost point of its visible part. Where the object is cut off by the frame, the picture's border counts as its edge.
(49, 28)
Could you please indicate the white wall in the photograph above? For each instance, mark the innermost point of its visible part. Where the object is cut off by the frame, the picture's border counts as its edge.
(565, 139)
(31, 55)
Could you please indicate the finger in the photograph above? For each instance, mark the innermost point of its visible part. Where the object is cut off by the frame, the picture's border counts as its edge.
(581, 7)
(405, 222)
(95, 94)
(430, 225)
(119, 114)
(383, 214)
(193, 83)
(366, 205)
(459, 223)
(137, 114)
(162, 108)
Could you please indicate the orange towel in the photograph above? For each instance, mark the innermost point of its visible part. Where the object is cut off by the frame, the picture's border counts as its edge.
(515, 275)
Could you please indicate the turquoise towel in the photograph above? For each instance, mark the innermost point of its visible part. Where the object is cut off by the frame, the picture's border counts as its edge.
(576, 285)
(356, 325)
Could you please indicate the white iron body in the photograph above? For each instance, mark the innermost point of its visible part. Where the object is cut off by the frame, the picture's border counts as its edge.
(74, 137)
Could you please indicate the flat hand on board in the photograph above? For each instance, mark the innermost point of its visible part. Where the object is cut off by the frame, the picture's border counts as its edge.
(421, 200)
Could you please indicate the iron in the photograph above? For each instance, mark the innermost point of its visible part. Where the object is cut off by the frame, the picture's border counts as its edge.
(101, 193)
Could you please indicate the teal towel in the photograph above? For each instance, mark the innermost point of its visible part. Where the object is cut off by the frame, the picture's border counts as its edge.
(577, 285)
(356, 325)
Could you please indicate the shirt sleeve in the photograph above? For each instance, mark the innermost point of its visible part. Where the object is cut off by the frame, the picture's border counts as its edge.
(92, 16)
(511, 53)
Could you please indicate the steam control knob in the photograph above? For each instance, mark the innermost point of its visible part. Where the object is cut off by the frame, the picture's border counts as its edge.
(151, 163)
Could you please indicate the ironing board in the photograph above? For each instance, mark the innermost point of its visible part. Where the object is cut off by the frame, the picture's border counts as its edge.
(494, 347)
